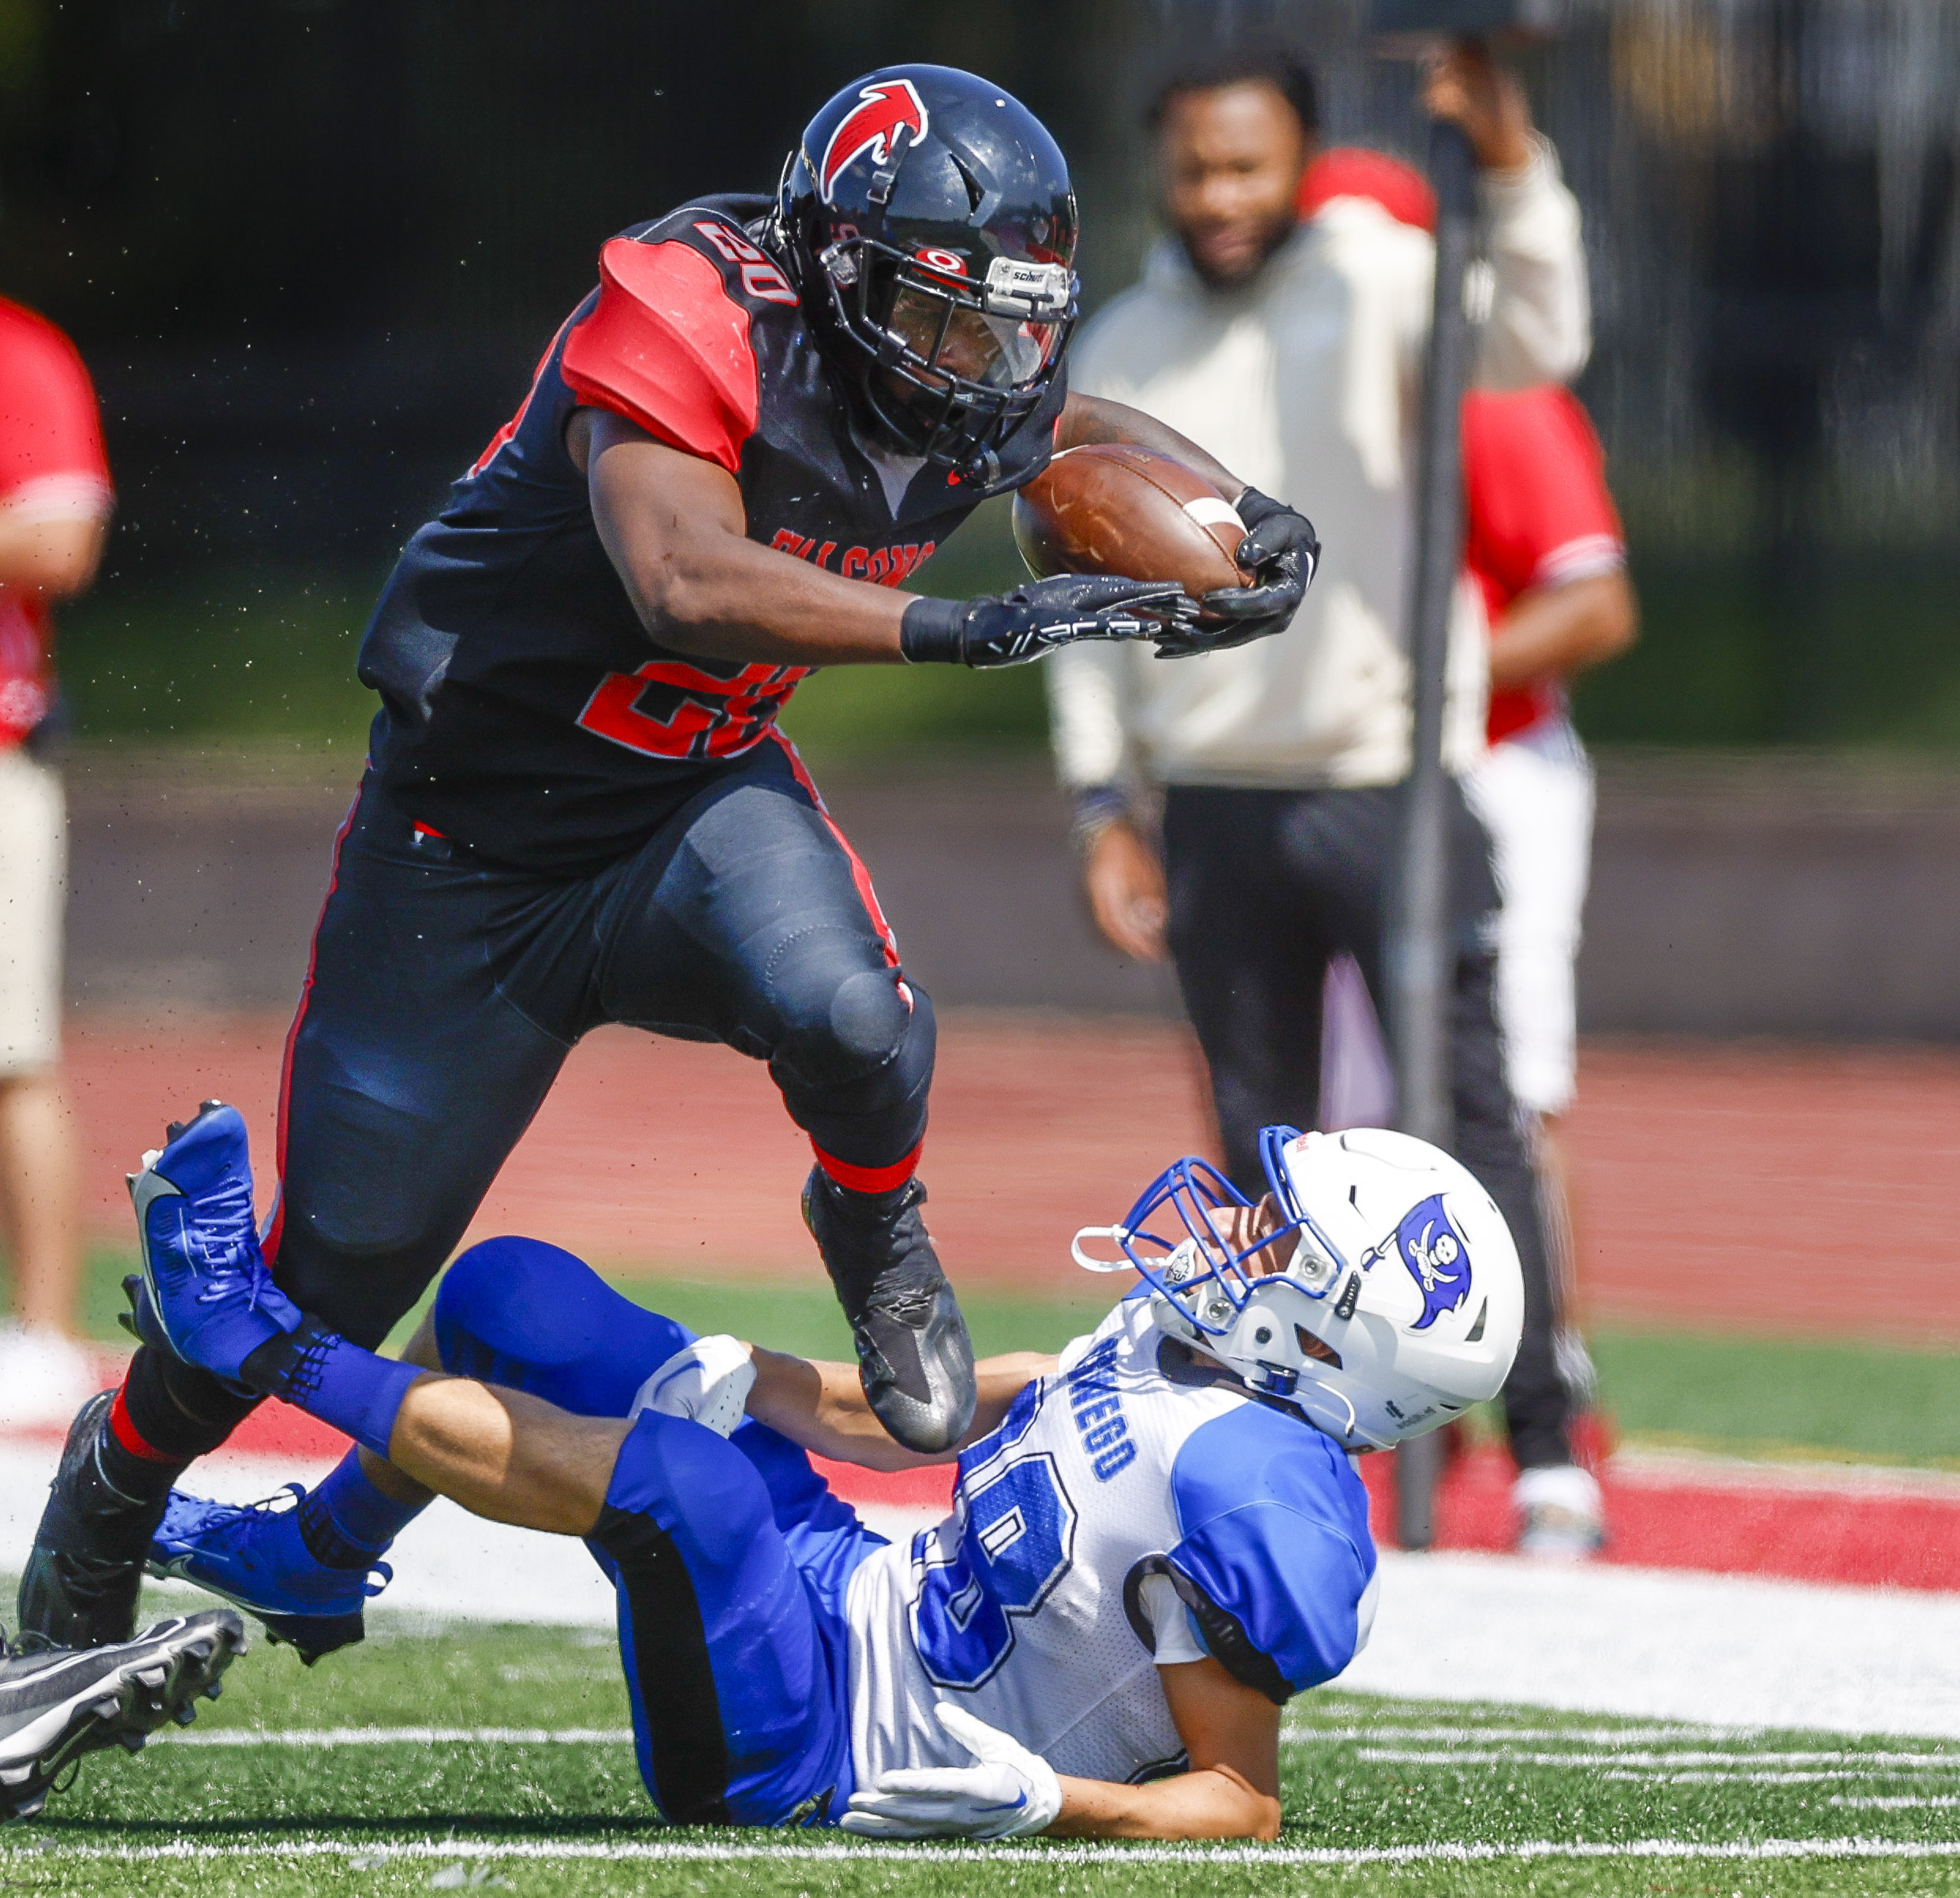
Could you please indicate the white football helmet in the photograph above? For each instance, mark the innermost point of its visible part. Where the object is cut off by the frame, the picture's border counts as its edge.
(1400, 1307)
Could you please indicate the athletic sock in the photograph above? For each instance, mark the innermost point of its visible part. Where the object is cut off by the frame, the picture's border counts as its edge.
(320, 1373)
(346, 1522)
(167, 1414)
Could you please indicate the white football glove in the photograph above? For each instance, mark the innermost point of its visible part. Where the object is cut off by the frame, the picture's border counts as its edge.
(709, 1381)
(1009, 1792)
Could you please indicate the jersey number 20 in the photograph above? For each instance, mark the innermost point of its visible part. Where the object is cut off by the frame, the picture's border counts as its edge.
(1018, 1545)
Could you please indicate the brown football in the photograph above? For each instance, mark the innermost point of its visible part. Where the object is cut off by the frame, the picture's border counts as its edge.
(1106, 508)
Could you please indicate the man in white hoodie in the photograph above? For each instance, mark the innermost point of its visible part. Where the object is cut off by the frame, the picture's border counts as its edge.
(1294, 353)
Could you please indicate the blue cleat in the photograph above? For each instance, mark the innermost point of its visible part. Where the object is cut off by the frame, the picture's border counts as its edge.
(253, 1555)
(208, 1287)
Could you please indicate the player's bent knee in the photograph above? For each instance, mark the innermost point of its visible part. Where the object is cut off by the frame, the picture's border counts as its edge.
(694, 1483)
(848, 1030)
(533, 1315)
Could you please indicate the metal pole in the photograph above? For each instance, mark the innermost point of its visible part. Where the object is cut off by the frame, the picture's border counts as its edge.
(1419, 971)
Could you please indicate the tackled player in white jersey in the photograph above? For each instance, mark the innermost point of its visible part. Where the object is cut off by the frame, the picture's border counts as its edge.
(1158, 1536)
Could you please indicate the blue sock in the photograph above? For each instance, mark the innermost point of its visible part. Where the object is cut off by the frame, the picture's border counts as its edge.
(319, 1372)
(345, 1522)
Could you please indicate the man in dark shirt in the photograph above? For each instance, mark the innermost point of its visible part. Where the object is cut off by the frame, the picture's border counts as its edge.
(579, 810)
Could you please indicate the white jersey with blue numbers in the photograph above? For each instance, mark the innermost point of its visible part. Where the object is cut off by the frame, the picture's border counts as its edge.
(1032, 1604)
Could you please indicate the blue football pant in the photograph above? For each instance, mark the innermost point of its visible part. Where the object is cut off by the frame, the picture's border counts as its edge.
(730, 1558)
(445, 993)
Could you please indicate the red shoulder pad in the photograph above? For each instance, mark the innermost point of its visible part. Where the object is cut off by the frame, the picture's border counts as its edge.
(667, 347)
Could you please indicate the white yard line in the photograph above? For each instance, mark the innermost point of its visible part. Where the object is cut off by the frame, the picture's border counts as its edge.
(1478, 1756)
(310, 1737)
(369, 1855)
(1893, 1802)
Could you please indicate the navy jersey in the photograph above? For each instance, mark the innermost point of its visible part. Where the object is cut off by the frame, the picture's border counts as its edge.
(526, 711)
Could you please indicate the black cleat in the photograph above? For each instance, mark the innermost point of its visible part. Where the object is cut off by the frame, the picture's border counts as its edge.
(58, 1703)
(913, 1355)
(80, 1587)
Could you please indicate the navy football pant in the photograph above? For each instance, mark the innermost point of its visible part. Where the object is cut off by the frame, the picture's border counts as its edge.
(1266, 888)
(731, 1558)
(445, 993)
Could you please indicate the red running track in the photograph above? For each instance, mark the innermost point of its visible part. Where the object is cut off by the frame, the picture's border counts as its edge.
(1724, 1185)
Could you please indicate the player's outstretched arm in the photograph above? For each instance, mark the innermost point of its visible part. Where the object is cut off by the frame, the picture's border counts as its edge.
(1231, 1732)
(675, 529)
(1232, 1790)
(821, 1407)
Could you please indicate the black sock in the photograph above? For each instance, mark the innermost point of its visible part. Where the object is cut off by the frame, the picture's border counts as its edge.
(167, 1414)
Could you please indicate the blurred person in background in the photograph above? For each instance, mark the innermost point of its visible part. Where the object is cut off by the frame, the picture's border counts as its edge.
(1294, 349)
(55, 501)
(1544, 545)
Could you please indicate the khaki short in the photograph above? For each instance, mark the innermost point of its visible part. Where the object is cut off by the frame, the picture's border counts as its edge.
(33, 874)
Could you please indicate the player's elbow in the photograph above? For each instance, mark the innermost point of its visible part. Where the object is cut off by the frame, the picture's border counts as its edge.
(1615, 618)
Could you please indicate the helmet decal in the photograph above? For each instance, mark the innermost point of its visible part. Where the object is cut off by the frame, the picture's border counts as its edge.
(887, 106)
(1438, 1260)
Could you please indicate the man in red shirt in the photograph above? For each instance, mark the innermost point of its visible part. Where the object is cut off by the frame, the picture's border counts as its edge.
(55, 506)
(1542, 545)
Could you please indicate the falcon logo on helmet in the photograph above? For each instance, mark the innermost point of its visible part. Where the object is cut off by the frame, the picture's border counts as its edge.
(1434, 1252)
(1371, 1358)
(890, 107)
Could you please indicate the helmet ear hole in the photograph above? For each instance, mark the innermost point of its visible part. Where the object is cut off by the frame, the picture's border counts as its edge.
(1316, 1348)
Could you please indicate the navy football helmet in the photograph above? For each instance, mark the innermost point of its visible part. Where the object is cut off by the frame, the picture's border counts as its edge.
(929, 223)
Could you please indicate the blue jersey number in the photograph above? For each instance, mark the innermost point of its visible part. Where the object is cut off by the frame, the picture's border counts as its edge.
(1017, 1545)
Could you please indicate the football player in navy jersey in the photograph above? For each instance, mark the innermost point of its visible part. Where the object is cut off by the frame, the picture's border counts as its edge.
(578, 808)
(1158, 1536)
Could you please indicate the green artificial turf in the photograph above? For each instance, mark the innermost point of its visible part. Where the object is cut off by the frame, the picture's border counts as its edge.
(1362, 1777)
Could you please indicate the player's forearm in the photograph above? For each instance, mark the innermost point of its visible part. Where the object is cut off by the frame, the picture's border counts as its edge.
(1089, 418)
(1214, 1803)
(1551, 632)
(720, 596)
(674, 528)
(821, 1407)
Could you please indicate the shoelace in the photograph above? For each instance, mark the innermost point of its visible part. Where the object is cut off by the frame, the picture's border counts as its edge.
(225, 1515)
(226, 1236)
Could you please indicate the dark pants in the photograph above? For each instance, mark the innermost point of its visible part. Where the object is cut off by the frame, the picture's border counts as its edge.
(1266, 888)
(445, 994)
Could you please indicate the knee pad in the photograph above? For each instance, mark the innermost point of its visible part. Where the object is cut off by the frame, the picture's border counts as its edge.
(535, 1317)
(841, 1025)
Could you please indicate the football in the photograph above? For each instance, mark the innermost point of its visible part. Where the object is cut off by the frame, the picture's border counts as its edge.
(1104, 508)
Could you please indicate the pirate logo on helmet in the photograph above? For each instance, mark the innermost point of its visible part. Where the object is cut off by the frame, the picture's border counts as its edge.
(1438, 1260)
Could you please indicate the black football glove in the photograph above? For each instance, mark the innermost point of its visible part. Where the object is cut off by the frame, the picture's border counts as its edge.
(1280, 552)
(1010, 629)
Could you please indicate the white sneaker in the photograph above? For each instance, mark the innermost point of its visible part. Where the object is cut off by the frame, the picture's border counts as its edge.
(1562, 1515)
(45, 1377)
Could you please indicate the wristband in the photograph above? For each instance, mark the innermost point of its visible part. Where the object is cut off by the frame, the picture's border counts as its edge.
(319, 1372)
(933, 631)
(1097, 806)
